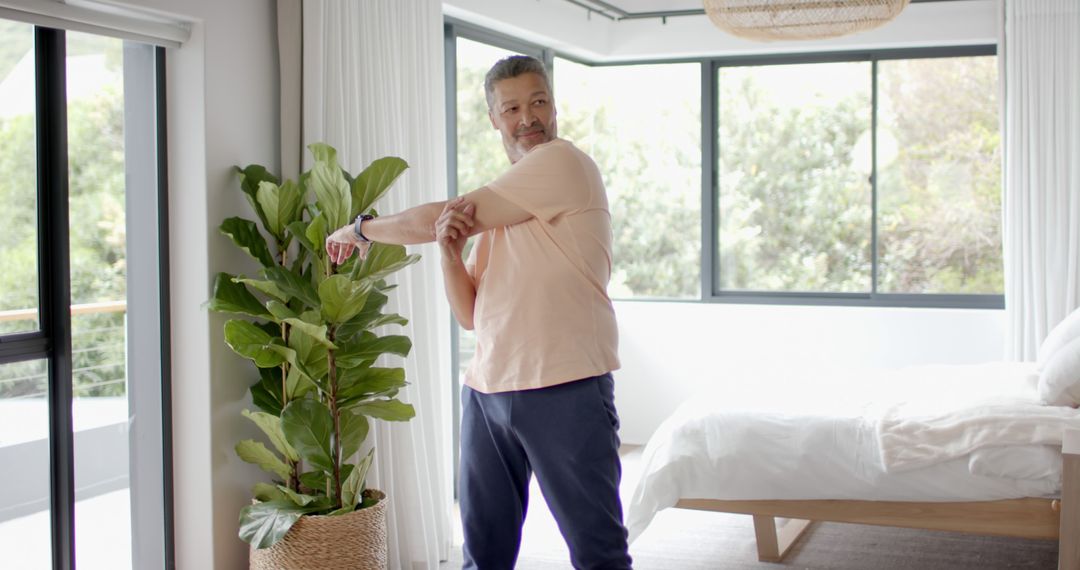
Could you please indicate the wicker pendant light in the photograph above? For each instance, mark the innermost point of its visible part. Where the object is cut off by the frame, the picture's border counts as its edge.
(769, 20)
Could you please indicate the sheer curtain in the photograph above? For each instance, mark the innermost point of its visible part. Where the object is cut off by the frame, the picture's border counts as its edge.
(373, 85)
(1042, 168)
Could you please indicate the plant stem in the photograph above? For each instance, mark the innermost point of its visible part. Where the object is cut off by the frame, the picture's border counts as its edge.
(294, 466)
(335, 413)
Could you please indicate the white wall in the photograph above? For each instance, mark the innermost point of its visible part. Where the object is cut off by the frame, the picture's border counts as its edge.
(222, 111)
(568, 29)
(669, 350)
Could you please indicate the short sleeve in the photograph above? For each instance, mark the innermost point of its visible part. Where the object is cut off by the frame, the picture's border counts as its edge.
(549, 181)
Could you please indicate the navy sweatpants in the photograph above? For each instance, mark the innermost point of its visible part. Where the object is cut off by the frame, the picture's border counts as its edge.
(568, 435)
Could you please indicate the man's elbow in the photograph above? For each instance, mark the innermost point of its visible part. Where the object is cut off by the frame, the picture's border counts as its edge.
(467, 325)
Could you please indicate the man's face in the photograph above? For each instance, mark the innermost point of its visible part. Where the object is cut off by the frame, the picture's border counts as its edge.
(524, 113)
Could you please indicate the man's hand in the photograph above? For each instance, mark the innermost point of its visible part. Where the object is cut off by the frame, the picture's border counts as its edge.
(453, 226)
(341, 243)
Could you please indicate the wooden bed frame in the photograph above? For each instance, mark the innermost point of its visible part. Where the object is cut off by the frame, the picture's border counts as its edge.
(1027, 518)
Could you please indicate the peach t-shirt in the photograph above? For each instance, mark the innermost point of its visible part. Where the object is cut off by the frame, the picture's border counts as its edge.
(542, 315)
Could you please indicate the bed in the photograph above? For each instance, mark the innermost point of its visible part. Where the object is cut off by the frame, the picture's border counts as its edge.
(970, 448)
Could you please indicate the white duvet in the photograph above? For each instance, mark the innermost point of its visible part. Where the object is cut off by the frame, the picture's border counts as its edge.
(886, 435)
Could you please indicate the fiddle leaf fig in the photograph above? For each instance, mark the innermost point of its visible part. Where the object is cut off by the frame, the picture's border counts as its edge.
(256, 453)
(253, 343)
(374, 181)
(233, 297)
(312, 340)
(342, 298)
(389, 410)
(245, 234)
(308, 426)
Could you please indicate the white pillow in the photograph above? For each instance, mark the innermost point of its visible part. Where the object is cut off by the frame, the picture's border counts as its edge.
(1017, 462)
(1065, 331)
(1059, 380)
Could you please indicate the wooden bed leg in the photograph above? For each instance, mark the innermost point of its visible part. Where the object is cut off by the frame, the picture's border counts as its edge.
(1069, 531)
(772, 546)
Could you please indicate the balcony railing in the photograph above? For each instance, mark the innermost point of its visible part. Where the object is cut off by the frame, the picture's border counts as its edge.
(98, 346)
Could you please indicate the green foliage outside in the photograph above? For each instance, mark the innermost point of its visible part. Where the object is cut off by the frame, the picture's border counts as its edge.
(940, 199)
(794, 214)
(97, 230)
(795, 211)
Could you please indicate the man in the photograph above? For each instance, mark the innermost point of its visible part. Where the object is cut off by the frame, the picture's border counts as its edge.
(538, 394)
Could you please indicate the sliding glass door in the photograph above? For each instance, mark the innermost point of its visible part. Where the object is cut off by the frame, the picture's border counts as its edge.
(82, 355)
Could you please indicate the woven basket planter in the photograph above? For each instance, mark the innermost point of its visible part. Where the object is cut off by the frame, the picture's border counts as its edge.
(356, 541)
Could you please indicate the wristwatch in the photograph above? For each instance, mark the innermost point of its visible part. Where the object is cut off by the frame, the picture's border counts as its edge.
(356, 226)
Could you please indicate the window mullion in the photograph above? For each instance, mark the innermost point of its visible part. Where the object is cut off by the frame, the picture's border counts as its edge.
(709, 212)
(55, 283)
(873, 177)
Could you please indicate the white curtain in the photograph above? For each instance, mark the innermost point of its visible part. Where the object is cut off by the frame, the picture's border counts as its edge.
(1042, 168)
(373, 85)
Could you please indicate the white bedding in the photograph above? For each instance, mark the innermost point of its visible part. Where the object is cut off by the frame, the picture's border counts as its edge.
(791, 435)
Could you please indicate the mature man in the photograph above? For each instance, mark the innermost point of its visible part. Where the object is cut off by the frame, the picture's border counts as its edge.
(538, 394)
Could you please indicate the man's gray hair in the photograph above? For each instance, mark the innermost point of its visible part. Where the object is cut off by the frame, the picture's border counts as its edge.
(513, 66)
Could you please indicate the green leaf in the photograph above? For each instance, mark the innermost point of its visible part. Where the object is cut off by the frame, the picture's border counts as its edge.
(368, 347)
(267, 287)
(271, 426)
(232, 297)
(332, 192)
(292, 284)
(323, 152)
(250, 178)
(354, 483)
(358, 382)
(299, 499)
(264, 524)
(250, 341)
(310, 355)
(308, 427)
(316, 235)
(316, 480)
(298, 383)
(354, 430)
(383, 260)
(371, 311)
(374, 181)
(245, 234)
(389, 410)
(280, 311)
(266, 393)
(256, 453)
(267, 492)
(299, 231)
(342, 298)
(316, 332)
(281, 206)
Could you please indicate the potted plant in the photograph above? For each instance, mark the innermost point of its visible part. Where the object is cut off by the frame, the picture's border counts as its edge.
(309, 327)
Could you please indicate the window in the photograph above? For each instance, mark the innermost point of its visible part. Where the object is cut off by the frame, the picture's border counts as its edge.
(939, 170)
(642, 126)
(875, 180)
(82, 385)
(794, 167)
(835, 178)
(18, 180)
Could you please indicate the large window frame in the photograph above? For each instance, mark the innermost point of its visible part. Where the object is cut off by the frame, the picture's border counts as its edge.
(151, 477)
(710, 215)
